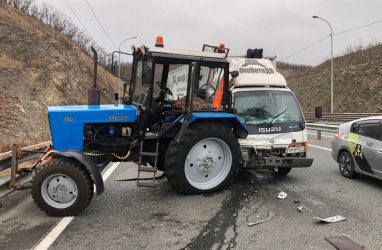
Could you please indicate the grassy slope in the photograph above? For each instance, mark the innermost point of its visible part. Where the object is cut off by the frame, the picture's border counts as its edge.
(357, 83)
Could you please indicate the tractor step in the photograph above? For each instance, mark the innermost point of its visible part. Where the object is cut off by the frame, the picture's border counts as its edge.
(151, 169)
(147, 169)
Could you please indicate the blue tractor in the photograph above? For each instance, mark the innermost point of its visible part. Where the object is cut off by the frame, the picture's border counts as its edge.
(192, 135)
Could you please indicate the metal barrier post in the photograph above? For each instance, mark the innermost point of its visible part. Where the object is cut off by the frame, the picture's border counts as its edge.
(13, 183)
(318, 134)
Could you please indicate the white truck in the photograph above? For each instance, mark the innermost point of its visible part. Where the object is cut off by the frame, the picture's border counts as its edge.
(277, 137)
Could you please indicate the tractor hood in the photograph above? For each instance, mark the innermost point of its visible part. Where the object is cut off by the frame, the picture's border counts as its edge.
(67, 122)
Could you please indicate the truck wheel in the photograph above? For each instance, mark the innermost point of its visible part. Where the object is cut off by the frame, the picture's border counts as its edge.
(346, 165)
(204, 160)
(282, 171)
(62, 188)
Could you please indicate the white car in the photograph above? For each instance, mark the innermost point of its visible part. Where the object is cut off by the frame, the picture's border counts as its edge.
(357, 147)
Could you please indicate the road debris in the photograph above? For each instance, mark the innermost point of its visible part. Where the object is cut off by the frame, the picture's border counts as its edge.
(302, 207)
(333, 219)
(282, 195)
(260, 215)
(344, 242)
(296, 201)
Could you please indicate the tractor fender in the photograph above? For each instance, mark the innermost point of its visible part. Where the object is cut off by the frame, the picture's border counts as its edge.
(228, 119)
(89, 165)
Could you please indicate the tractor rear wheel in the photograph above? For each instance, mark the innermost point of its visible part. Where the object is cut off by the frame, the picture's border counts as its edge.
(204, 160)
(62, 188)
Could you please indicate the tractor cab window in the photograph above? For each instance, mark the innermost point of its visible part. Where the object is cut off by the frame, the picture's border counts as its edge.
(157, 79)
(138, 91)
(208, 95)
(209, 82)
(177, 81)
(206, 87)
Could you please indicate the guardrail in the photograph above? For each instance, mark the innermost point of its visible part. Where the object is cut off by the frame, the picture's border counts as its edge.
(18, 178)
(338, 117)
(319, 127)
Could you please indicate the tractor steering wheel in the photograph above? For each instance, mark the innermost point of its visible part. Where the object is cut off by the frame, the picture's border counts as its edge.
(164, 89)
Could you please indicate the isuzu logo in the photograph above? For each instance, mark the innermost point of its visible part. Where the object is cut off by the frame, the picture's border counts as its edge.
(270, 129)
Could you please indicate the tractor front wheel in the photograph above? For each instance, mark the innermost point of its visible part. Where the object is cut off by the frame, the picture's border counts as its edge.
(204, 160)
(62, 188)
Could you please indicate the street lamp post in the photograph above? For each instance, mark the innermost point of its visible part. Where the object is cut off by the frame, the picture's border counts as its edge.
(119, 65)
(331, 64)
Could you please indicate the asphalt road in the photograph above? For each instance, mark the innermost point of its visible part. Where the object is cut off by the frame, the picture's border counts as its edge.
(128, 217)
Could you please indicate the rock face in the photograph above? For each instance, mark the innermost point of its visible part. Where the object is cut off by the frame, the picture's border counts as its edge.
(357, 83)
(39, 67)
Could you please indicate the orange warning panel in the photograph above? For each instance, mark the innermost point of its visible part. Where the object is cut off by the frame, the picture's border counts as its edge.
(218, 95)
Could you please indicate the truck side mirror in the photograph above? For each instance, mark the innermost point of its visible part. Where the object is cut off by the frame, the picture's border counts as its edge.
(318, 112)
(147, 76)
(234, 73)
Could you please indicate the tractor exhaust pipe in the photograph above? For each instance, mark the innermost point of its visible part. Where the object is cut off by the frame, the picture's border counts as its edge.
(94, 92)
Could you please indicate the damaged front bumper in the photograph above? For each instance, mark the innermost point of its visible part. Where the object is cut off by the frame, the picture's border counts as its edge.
(271, 162)
(271, 158)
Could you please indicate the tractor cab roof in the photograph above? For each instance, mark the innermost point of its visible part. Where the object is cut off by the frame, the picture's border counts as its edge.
(186, 55)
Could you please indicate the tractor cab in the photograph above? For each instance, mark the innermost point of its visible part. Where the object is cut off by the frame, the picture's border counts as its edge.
(197, 78)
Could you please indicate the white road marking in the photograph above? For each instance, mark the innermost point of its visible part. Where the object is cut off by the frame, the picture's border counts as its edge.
(328, 149)
(54, 233)
(48, 240)
(109, 171)
(330, 136)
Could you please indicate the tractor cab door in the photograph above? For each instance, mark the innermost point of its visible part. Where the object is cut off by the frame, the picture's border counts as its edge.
(141, 80)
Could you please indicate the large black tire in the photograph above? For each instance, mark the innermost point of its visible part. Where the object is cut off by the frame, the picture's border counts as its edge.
(282, 171)
(196, 135)
(346, 165)
(65, 172)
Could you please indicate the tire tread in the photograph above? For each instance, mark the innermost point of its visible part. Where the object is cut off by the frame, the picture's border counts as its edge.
(175, 149)
(80, 171)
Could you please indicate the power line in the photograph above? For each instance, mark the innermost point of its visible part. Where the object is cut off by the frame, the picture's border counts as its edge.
(359, 27)
(305, 48)
(100, 24)
(334, 34)
(74, 13)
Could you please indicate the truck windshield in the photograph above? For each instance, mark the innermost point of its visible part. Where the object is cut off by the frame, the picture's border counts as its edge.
(267, 106)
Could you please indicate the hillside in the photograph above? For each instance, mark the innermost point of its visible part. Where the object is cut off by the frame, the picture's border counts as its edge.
(357, 83)
(39, 67)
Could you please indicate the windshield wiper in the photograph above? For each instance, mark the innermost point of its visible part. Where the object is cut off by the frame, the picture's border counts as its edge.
(256, 110)
(273, 118)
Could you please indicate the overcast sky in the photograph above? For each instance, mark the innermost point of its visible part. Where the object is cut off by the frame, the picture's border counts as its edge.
(280, 27)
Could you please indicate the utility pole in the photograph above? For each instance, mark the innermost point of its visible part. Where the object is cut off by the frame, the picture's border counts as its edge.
(331, 64)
